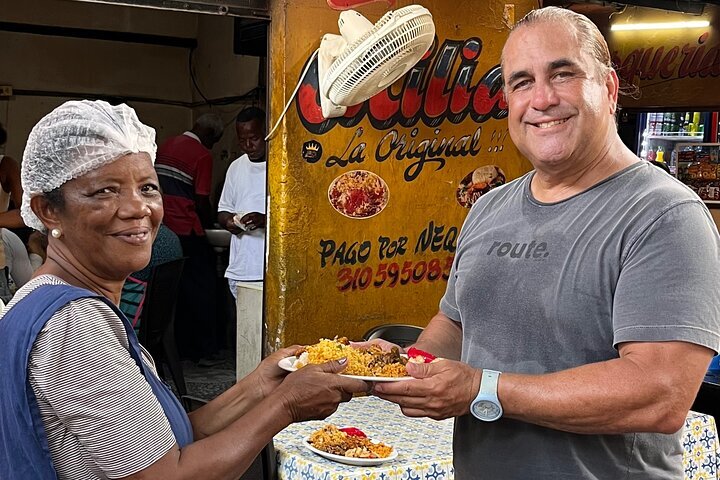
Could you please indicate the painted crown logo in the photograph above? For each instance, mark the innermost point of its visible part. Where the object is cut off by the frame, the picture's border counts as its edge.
(313, 147)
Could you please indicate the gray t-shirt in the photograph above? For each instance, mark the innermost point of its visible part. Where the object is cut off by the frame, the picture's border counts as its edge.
(543, 287)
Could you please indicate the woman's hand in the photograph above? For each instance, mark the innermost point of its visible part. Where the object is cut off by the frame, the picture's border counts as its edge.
(268, 374)
(314, 391)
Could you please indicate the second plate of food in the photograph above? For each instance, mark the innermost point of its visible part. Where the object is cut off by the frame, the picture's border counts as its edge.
(361, 462)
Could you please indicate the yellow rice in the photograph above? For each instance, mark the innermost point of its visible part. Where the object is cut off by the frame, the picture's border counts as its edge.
(360, 362)
(331, 439)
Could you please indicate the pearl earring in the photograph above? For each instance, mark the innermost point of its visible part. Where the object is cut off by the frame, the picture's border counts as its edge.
(56, 233)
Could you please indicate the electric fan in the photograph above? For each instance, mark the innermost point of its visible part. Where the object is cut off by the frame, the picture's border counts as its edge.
(365, 58)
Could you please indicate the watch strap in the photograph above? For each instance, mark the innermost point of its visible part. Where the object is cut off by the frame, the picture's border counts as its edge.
(489, 383)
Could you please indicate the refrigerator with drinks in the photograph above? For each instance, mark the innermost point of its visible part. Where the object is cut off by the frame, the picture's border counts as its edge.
(660, 133)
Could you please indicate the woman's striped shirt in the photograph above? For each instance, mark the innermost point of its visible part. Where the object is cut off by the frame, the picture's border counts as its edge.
(100, 415)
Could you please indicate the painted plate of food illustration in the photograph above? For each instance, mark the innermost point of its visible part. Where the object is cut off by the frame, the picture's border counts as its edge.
(479, 182)
(358, 194)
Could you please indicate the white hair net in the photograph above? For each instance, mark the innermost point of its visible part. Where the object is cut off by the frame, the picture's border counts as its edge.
(75, 138)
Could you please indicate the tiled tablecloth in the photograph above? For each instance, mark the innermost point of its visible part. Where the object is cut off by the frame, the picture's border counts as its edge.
(431, 458)
(424, 446)
(700, 447)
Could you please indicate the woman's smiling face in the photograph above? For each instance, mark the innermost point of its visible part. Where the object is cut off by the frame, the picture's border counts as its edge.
(111, 216)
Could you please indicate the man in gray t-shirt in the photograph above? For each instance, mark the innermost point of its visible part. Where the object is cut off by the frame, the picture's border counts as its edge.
(583, 306)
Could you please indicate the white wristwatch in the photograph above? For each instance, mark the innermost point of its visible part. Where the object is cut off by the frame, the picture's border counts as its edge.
(486, 406)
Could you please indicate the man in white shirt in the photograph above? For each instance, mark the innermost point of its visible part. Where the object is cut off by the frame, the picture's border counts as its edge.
(241, 209)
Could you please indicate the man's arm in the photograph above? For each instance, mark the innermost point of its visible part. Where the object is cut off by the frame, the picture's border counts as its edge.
(650, 388)
(11, 219)
(442, 337)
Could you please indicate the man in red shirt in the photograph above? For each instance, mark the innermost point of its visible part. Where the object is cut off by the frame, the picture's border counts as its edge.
(184, 167)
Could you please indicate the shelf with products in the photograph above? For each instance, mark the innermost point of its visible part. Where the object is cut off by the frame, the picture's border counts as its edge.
(676, 137)
(698, 167)
(661, 131)
(686, 124)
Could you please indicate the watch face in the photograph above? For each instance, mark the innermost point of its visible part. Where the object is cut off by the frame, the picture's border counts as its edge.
(486, 410)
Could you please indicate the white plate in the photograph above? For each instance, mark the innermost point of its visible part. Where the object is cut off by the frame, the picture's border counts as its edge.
(361, 462)
(287, 364)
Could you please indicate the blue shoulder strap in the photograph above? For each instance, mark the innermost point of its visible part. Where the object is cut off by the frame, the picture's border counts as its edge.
(24, 451)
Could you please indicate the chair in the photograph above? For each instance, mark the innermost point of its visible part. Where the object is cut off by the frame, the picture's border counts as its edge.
(157, 320)
(400, 334)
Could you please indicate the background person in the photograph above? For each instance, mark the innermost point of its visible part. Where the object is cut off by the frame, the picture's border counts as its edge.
(241, 209)
(10, 188)
(15, 268)
(184, 166)
(560, 364)
(37, 249)
(81, 399)
(165, 248)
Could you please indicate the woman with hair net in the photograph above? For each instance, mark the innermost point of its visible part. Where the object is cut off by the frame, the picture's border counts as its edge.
(80, 397)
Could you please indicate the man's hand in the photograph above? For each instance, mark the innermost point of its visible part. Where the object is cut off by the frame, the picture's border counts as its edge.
(253, 220)
(442, 389)
(225, 219)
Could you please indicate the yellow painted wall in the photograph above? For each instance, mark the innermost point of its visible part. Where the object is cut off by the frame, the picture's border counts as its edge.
(311, 289)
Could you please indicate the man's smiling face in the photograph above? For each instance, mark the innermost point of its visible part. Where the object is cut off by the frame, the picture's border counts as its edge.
(559, 107)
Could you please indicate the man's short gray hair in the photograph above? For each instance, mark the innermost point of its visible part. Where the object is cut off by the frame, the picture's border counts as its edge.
(210, 122)
(589, 38)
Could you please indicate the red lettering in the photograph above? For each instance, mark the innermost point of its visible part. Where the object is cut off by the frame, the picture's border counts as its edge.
(430, 100)
(482, 101)
(308, 104)
(652, 70)
(630, 67)
(711, 63)
(411, 103)
(643, 62)
(436, 101)
(684, 69)
(460, 99)
(382, 107)
(666, 67)
(697, 58)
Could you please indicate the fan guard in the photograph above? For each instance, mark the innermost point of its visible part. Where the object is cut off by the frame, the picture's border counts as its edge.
(380, 56)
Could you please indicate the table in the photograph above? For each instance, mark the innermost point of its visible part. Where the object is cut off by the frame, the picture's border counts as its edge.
(431, 459)
(701, 450)
(380, 420)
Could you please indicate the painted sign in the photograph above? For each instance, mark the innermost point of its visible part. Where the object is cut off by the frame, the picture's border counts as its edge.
(366, 208)
(672, 68)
